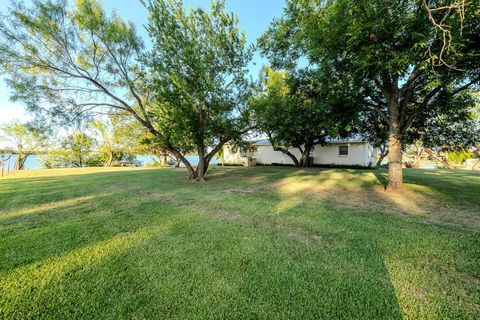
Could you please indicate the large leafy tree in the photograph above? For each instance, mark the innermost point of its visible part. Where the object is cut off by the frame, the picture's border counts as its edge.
(148, 144)
(69, 61)
(25, 140)
(409, 56)
(199, 65)
(298, 110)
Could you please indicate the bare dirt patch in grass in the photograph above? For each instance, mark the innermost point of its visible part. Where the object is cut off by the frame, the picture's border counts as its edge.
(417, 203)
(237, 190)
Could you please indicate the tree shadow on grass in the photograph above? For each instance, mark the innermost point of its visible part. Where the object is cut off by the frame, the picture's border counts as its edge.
(192, 270)
(381, 177)
(32, 234)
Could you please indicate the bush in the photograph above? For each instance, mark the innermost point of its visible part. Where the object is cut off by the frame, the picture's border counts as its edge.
(65, 159)
(460, 156)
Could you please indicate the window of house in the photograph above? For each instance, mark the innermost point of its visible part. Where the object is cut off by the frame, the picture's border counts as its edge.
(343, 151)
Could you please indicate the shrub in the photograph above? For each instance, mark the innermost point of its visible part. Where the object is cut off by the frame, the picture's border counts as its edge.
(460, 156)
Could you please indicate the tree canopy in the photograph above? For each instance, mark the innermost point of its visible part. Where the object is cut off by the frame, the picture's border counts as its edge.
(299, 110)
(25, 139)
(199, 65)
(190, 91)
(393, 49)
(404, 68)
(116, 138)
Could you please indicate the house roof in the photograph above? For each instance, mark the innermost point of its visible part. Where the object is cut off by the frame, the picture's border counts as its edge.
(265, 142)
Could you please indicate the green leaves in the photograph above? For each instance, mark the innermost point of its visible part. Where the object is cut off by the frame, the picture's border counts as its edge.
(25, 138)
(199, 66)
(68, 61)
(299, 109)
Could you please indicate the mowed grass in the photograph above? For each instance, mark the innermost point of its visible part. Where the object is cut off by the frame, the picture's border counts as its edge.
(251, 243)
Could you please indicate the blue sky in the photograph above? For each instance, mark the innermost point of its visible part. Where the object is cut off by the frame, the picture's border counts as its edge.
(254, 16)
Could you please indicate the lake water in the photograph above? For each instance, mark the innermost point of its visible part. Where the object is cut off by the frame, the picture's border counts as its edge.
(33, 162)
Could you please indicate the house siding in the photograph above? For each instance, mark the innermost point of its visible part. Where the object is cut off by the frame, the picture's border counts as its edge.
(266, 155)
(359, 154)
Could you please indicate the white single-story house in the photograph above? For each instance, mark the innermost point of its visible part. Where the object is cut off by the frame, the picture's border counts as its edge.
(350, 152)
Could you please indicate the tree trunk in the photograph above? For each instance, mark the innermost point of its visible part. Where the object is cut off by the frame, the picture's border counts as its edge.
(303, 163)
(283, 150)
(383, 153)
(418, 160)
(380, 159)
(20, 161)
(180, 157)
(110, 160)
(202, 165)
(295, 161)
(442, 159)
(445, 160)
(395, 170)
(163, 159)
(382, 156)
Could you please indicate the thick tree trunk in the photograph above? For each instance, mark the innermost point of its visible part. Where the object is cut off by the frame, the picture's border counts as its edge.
(395, 170)
(202, 165)
(304, 159)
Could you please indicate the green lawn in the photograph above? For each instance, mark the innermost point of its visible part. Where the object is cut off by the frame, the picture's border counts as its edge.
(264, 242)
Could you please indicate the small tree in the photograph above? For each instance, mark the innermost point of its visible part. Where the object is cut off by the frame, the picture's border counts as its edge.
(25, 139)
(117, 138)
(199, 66)
(297, 110)
(149, 144)
(78, 148)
